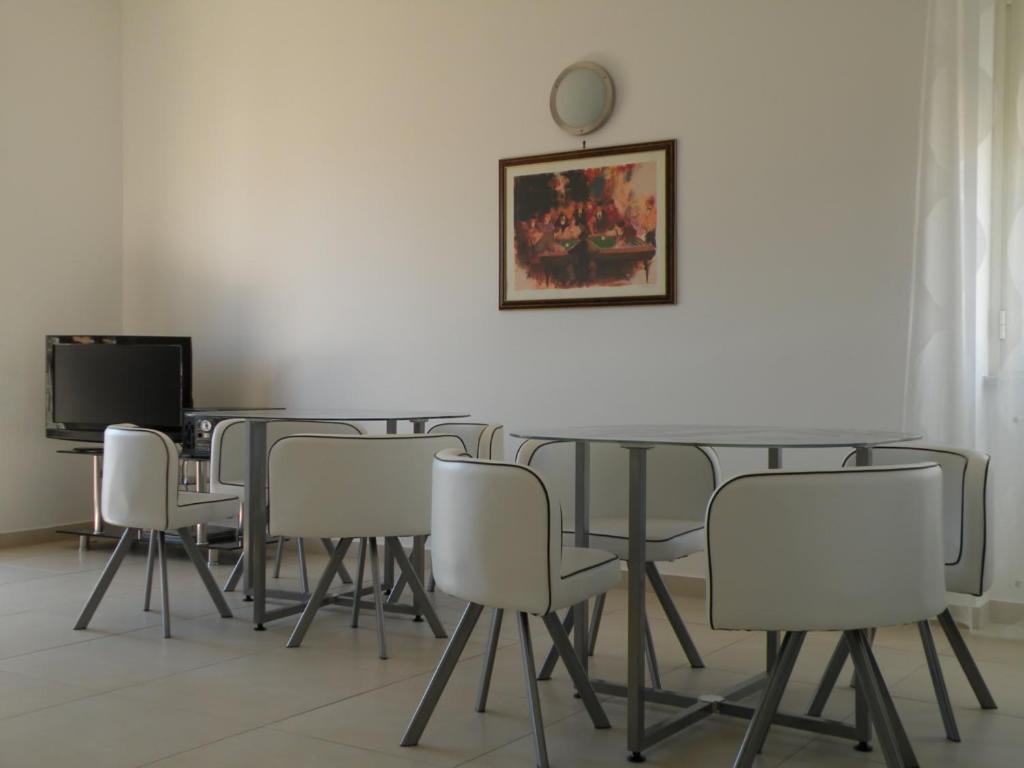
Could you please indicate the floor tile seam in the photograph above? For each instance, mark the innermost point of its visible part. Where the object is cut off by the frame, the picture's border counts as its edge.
(198, 746)
(92, 695)
(370, 750)
(83, 641)
(517, 739)
(869, 758)
(118, 688)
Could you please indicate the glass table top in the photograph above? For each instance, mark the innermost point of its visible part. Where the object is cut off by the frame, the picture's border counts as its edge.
(718, 435)
(336, 414)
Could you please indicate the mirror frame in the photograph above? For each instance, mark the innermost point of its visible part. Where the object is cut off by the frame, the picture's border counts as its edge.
(609, 98)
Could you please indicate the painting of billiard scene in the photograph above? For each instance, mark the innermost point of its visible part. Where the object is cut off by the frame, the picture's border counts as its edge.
(591, 227)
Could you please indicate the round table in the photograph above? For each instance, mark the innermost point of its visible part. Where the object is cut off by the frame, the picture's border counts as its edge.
(637, 440)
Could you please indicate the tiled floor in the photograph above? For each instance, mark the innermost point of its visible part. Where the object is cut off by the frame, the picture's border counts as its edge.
(219, 694)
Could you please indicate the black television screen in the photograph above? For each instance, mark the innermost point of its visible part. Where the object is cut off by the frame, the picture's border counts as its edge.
(95, 381)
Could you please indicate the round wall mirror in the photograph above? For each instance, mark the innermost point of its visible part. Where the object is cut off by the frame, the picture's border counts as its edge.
(582, 98)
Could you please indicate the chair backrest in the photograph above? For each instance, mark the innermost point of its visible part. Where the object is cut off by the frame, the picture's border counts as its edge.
(482, 441)
(352, 486)
(228, 451)
(680, 478)
(827, 550)
(496, 537)
(966, 510)
(140, 477)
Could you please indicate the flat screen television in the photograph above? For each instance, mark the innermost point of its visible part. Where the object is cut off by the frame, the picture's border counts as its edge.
(95, 381)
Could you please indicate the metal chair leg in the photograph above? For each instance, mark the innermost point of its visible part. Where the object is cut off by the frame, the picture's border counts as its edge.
(419, 568)
(829, 679)
(346, 577)
(278, 557)
(419, 594)
(938, 682)
(757, 730)
(303, 573)
(395, 595)
(105, 578)
(488, 669)
(389, 568)
(315, 600)
(963, 655)
(595, 623)
(579, 675)
(204, 572)
(540, 747)
(552, 658)
(902, 741)
(378, 599)
(235, 575)
(678, 625)
(358, 595)
(652, 659)
(161, 552)
(441, 675)
(868, 687)
(432, 586)
(150, 558)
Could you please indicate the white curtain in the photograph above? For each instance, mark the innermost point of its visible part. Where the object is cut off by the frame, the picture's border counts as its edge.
(965, 365)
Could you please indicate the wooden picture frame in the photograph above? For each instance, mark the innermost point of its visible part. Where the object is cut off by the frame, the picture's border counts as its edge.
(591, 227)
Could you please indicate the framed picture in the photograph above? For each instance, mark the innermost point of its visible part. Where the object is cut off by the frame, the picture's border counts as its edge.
(593, 227)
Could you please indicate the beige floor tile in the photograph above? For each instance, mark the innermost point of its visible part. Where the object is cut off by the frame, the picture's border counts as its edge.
(114, 662)
(11, 574)
(219, 694)
(31, 631)
(983, 647)
(1006, 683)
(575, 742)
(20, 694)
(266, 748)
(60, 556)
(896, 663)
(107, 731)
(456, 733)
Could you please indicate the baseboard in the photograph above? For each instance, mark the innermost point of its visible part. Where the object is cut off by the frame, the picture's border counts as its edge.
(989, 613)
(36, 535)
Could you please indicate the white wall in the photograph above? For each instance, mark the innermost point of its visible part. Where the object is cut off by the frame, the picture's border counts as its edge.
(60, 230)
(310, 191)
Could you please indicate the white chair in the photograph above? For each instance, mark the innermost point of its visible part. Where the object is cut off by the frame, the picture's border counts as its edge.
(967, 549)
(227, 475)
(497, 541)
(851, 549)
(357, 487)
(680, 480)
(480, 439)
(140, 492)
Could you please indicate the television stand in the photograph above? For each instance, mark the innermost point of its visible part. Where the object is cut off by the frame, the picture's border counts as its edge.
(96, 452)
(214, 539)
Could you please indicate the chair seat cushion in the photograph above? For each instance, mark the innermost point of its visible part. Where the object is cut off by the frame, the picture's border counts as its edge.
(585, 572)
(194, 508)
(667, 538)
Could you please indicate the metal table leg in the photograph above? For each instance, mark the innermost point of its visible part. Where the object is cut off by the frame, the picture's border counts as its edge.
(635, 729)
(97, 486)
(255, 540)
(863, 457)
(772, 648)
(389, 556)
(582, 539)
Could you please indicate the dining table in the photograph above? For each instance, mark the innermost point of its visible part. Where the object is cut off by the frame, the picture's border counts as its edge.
(254, 541)
(637, 441)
